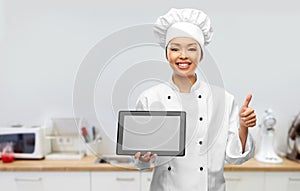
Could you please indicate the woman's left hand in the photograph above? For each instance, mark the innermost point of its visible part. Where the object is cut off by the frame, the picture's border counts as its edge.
(247, 114)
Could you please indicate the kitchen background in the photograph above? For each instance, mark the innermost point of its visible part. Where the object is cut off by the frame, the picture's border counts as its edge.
(43, 43)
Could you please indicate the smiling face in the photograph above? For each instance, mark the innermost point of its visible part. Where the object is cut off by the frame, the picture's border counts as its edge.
(183, 54)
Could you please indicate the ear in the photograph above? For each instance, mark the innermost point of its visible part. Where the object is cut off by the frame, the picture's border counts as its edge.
(166, 51)
(201, 54)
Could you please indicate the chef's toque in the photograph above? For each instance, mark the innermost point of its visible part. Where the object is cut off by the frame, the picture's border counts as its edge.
(183, 23)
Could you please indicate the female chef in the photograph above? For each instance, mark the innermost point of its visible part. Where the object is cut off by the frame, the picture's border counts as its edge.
(217, 130)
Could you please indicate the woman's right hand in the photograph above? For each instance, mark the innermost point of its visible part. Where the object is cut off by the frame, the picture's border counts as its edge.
(146, 157)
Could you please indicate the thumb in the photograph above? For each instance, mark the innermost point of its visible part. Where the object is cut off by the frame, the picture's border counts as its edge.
(247, 101)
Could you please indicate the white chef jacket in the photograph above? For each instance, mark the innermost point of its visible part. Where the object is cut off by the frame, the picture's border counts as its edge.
(212, 137)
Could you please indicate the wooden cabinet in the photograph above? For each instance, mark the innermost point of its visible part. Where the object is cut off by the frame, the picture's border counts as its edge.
(115, 181)
(44, 181)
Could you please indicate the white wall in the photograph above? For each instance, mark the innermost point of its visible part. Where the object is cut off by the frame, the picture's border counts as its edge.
(43, 43)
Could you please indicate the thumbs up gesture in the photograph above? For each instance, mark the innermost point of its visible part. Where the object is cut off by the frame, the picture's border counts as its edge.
(247, 115)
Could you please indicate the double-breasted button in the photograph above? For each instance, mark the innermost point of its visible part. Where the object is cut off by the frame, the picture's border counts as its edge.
(169, 97)
(169, 168)
(199, 96)
(201, 168)
(200, 142)
(200, 118)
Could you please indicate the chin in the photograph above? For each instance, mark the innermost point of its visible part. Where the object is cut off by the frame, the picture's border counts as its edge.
(184, 74)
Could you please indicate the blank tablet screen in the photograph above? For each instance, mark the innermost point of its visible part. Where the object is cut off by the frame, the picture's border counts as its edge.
(160, 132)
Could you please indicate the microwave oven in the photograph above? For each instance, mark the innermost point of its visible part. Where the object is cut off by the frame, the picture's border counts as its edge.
(28, 143)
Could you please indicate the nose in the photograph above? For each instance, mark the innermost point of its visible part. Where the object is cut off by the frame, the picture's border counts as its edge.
(183, 54)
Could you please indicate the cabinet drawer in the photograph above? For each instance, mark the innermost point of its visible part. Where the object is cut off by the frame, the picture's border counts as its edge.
(246, 181)
(44, 181)
(283, 181)
(116, 181)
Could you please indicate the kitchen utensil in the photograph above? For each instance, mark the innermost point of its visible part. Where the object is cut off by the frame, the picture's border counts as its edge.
(266, 151)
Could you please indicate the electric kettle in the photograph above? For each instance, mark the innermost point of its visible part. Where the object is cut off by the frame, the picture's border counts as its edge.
(293, 141)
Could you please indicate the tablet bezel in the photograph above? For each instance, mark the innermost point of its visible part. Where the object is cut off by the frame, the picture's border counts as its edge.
(180, 152)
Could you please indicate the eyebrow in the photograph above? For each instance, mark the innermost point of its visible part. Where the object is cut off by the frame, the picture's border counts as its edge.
(178, 44)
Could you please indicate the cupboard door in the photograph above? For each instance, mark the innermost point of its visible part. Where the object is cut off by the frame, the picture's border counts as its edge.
(116, 181)
(294, 182)
(283, 181)
(74, 181)
(245, 181)
(21, 181)
(44, 181)
(146, 178)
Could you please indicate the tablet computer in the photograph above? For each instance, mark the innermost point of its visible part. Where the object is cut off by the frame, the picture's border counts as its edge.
(158, 132)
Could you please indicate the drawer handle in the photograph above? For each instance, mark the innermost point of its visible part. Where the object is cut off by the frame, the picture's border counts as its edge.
(125, 179)
(28, 179)
(233, 179)
(294, 179)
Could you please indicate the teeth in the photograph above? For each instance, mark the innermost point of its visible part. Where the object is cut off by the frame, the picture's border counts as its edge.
(183, 65)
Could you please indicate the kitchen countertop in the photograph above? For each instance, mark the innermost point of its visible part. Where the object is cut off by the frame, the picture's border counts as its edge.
(254, 165)
(88, 164)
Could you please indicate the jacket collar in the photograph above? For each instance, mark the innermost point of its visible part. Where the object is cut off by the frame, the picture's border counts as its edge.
(194, 87)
